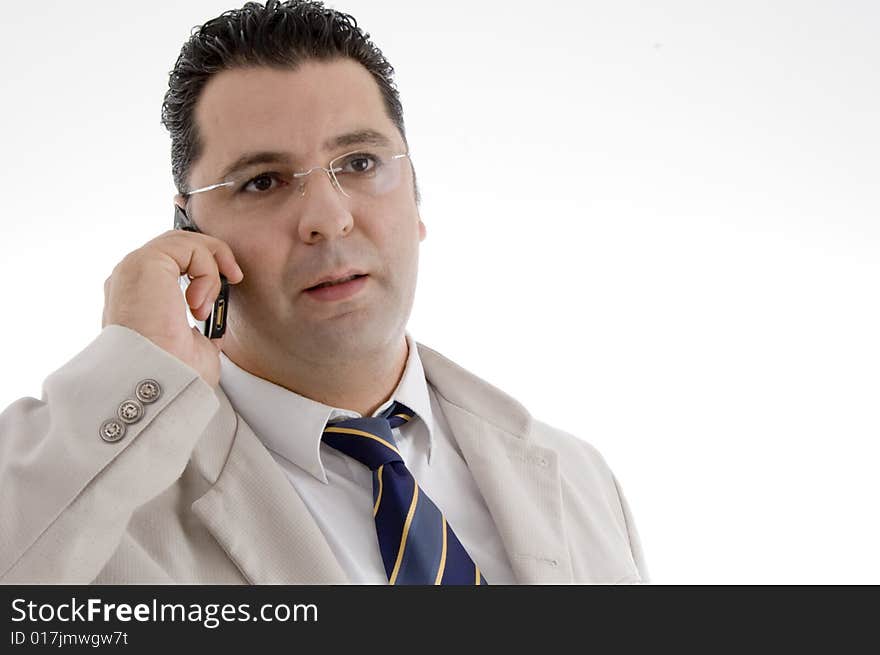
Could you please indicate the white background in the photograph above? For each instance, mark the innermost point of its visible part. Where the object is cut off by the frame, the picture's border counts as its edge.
(656, 226)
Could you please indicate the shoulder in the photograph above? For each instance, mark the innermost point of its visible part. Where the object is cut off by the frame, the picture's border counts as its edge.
(579, 460)
(598, 522)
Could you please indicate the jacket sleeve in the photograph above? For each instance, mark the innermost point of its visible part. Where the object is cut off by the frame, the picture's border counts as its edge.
(67, 494)
(635, 542)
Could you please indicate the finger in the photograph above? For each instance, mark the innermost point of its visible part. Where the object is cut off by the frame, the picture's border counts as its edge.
(188, 257)
(223, 255)
(204, 310)
(198, 254)
(228, 265)
(203, 290)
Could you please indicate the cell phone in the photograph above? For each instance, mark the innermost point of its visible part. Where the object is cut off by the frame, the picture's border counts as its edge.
(215, 325)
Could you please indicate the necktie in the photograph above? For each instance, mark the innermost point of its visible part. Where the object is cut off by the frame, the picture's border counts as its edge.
(418, 546)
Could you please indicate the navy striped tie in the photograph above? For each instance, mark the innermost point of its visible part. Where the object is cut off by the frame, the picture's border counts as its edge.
(418, 546)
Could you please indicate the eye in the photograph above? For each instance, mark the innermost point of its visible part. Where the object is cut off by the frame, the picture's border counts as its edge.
(360, 163)
(262, 182)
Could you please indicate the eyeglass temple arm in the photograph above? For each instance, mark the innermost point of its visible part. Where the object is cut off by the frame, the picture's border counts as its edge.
(209, 188)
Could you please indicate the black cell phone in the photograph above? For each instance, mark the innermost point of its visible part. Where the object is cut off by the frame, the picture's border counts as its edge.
(215, 324)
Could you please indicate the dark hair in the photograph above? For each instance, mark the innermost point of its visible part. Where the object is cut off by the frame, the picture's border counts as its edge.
(278, 35)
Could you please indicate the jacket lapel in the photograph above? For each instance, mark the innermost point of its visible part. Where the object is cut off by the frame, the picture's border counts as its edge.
(255, 513)
(263, 525)
(518, 479)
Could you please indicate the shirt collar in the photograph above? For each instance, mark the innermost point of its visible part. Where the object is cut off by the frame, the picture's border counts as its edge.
(291, 425)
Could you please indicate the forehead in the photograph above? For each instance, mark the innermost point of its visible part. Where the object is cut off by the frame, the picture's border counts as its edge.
(295, 111)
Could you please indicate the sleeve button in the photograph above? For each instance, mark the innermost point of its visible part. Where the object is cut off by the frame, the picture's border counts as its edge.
(130, 411)
(112, 430)
(148, 391)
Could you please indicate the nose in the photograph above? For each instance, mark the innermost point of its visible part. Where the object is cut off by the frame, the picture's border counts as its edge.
(324, 210)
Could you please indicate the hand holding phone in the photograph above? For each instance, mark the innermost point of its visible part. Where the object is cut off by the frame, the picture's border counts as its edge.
(143, 294)
(215, 324)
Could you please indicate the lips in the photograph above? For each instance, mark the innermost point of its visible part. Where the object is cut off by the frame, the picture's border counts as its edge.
(335, 279)
(332, 291)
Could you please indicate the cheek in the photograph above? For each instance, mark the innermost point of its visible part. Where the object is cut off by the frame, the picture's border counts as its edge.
(404, 229)
(401, 244)
(262, 266)
(405, 251)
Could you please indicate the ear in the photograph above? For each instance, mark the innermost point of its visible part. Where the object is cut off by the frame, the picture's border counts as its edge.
(423, 231)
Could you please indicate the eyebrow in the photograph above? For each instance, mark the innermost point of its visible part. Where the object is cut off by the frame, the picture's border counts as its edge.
(368, 137)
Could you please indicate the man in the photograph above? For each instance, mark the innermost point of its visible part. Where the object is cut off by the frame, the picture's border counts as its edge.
(315, 442)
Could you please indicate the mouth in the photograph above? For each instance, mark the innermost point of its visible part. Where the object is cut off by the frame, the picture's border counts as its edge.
(337, 281)
(338, 289)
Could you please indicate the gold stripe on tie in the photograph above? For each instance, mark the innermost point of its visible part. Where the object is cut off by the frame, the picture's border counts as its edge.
(405, 417)
(379, 495)
(409, 517)
(361, 433)
(477, 568)
(442, 566)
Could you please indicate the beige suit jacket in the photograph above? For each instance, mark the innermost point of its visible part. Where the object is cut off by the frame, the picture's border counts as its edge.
(190, 494)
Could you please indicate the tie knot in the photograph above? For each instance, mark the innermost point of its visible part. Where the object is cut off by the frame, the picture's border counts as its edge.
(369, 440)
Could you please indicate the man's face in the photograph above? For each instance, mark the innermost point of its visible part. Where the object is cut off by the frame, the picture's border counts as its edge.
(321, 233)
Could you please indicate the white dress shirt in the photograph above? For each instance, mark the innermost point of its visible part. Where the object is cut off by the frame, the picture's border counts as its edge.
(338, 490)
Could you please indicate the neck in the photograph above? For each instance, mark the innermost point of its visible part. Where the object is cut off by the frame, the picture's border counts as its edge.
(358, 384)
